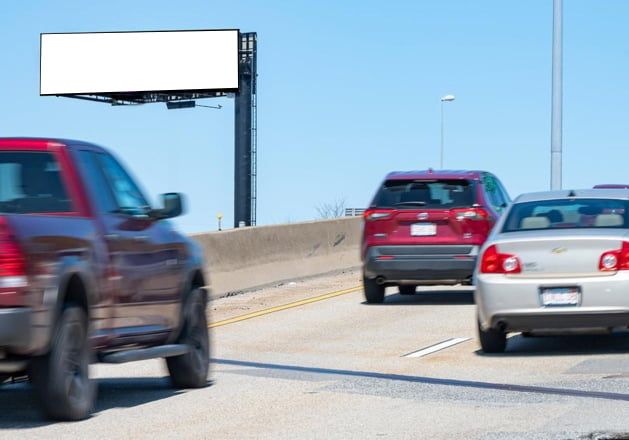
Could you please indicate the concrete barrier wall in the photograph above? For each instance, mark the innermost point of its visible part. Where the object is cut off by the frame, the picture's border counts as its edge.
(245, 258)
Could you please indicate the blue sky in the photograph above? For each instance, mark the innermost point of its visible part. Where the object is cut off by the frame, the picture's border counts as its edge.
(347, 91)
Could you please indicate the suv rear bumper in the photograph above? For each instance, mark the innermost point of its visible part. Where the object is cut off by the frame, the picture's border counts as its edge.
(421, 264)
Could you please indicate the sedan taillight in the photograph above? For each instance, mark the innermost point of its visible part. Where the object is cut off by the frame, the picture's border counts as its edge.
(493, 261)
(617, 259)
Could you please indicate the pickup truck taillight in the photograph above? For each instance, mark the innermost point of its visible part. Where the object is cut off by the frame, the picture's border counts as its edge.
(12, 263)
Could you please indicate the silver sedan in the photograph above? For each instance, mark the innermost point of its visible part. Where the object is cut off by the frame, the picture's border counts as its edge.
(556, 261)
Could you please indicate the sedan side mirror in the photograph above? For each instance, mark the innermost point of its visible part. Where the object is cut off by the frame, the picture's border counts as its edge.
(173, 206)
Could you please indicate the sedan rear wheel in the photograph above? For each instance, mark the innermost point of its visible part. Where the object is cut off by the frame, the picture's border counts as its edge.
(405, 289)
(492, 340)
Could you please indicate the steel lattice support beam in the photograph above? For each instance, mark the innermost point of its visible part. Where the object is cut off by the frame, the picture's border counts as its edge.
(245, 125)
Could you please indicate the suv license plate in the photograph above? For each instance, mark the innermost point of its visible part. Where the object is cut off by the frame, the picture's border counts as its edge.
(560, 296)
(419, 229)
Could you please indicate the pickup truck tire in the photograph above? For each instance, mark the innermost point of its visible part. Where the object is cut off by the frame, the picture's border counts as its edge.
(61, 377)
(190, 370)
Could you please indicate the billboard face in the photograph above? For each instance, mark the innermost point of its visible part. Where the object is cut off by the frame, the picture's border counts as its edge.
(111, 62)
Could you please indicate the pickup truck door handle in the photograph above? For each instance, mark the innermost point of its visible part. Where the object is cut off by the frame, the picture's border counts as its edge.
(112, 237)
(141, 238)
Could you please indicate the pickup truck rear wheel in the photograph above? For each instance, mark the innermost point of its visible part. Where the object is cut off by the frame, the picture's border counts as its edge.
(190, 370)
(61, 377)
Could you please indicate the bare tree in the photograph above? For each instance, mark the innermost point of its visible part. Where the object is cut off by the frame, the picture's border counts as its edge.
(331, 209)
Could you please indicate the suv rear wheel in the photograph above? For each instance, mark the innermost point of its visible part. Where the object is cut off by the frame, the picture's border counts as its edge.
(374, 292)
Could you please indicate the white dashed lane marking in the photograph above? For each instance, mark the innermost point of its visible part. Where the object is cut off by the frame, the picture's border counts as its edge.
(436, 347)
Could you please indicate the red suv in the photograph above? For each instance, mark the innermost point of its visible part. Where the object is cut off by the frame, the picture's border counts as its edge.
(426, 227)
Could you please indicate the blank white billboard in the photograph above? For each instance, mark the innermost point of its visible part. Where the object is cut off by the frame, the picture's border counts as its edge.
(111, 62)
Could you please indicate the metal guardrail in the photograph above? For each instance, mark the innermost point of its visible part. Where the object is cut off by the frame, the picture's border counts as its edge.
(351, 212)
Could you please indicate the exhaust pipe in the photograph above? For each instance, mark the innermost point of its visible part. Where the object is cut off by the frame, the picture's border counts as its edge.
(501, 325)
(380, 280)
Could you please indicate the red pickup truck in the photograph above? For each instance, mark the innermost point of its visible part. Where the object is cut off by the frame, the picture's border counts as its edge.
(89, 272)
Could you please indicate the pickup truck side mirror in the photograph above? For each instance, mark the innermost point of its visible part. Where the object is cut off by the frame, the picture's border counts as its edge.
(173, 206)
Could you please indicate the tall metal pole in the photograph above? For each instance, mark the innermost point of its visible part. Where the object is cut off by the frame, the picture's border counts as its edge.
(242, 150)
(441, 162)
(555, 135)
(447, 98)
(245, 136)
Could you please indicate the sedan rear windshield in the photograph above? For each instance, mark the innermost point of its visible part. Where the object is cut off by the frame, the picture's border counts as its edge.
(411, 194)
(567, 213)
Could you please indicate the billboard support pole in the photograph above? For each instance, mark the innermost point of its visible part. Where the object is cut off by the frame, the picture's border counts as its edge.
(245, 134)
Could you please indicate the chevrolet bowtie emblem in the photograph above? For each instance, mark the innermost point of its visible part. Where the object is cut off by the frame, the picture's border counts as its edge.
(559, 250)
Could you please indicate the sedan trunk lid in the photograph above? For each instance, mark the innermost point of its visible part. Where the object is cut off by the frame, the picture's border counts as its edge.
(560, 253)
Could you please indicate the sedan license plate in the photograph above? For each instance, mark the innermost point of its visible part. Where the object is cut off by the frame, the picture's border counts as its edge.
(421, 229)
(560, 296)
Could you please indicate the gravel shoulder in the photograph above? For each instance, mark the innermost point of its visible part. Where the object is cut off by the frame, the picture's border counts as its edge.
(239, 303)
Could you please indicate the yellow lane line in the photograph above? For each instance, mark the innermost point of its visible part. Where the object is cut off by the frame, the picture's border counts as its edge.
(284, 307)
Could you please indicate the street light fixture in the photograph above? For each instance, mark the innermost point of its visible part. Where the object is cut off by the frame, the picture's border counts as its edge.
(447, 98)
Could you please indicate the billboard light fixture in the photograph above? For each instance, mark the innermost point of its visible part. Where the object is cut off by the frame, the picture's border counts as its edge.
(189, 104)
(180, 104)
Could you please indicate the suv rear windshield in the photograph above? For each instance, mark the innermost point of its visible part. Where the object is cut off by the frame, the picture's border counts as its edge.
(411, 194)
(567, 213)
(30, 182)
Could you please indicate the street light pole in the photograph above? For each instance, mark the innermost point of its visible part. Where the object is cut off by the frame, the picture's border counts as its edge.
(446, 98)
(555, 132)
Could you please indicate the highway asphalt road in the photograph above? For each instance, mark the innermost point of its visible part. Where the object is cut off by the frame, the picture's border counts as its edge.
(285, 366)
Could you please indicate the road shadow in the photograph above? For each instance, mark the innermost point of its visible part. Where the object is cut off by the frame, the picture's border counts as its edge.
(19, 408)
(564, 345)
(478, 385)
(426, 297)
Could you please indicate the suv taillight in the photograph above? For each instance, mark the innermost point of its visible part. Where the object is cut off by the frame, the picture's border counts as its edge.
(377, 214)
(493, 261)
(470, 214)
(617, 259)
(12, 263)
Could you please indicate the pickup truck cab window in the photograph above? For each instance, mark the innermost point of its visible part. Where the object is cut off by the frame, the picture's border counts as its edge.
(128, 197)
(95, 180)
(30, 182)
